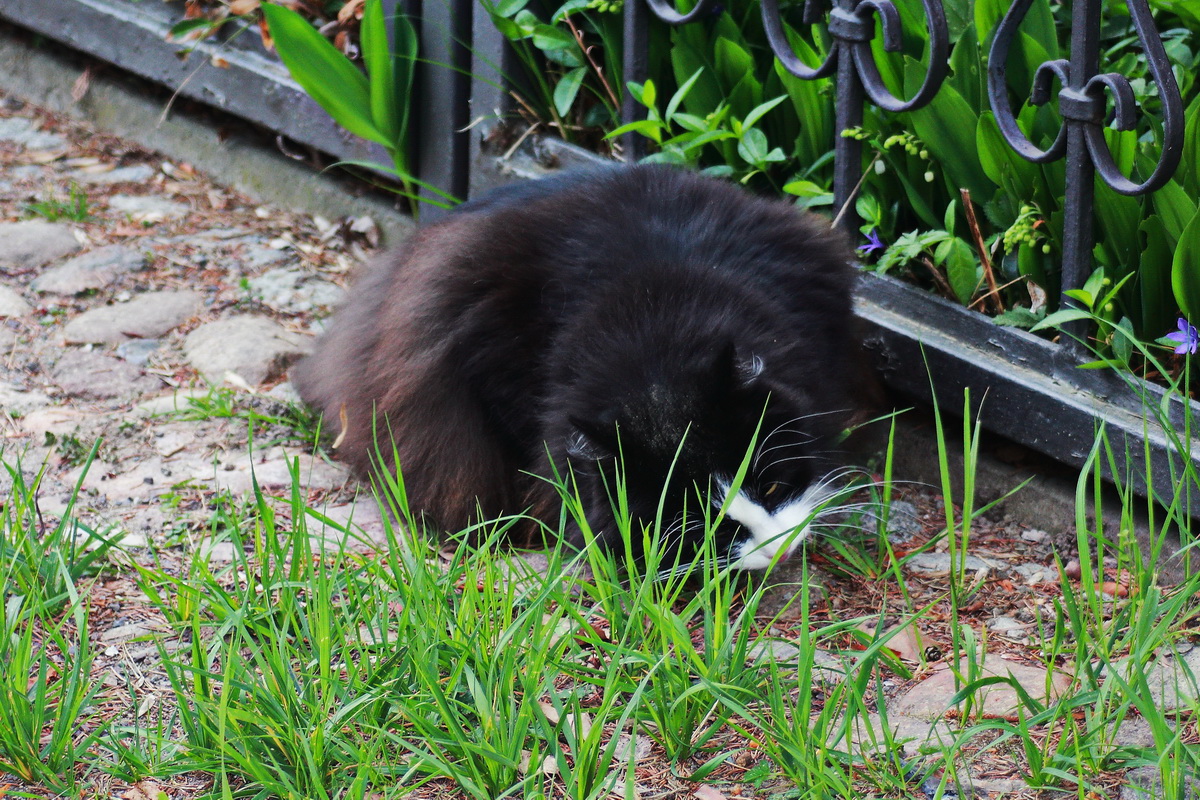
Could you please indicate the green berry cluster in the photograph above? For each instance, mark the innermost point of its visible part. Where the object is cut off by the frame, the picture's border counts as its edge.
(1025, 230)
(607, 6)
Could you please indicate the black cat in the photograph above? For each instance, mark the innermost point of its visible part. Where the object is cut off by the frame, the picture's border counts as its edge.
(637, 314)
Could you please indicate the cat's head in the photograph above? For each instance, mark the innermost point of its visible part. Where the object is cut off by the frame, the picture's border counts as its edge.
(717, 448)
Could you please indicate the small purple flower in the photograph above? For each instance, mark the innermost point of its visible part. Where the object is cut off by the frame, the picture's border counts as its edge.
(874, 243)
(1187, 336)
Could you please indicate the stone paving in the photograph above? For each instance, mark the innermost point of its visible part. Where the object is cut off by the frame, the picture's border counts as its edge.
(168, 292)
(174, 298)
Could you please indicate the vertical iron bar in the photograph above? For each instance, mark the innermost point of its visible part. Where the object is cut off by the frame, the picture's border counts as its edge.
(492, 65)
(444, 87)
(1079, 235)
(847, 113)
(634, 68)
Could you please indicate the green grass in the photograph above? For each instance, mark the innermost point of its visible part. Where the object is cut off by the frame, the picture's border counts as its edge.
(307, 670)
(269, 419)
(75, 207)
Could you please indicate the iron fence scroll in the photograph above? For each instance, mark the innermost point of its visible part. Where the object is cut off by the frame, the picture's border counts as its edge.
(1082, 98)
(1083, 108)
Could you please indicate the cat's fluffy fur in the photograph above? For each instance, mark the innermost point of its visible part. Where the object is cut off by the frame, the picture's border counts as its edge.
(643, 312)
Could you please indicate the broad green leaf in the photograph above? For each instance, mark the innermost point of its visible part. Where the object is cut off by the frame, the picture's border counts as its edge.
(324, 73)
(753, 146)
(735, 68)
(1189, 166)
(647, 127)
(509, 29)
(813, 109)
(1185, 269)
(1001, 164)
(707, 137)
(1174, 206)
(680, 94)
(527, 21)
(1032, 264)
(806, 189)
(1154, 277)
(381, 76)
(1085, 298)
(1119, 215)
(690, 53)
(184, 27)
(566, 9)
(404, 59)
(649, 96)
(962, 268)
(548, 37)
(947, 126)
(966, 70)
(567, 56)
(988, 14)
(1061, 318)
(1019, 317)
(567, 89)
(689, 121)
(506, 8)
(757, 114)
(959, 19)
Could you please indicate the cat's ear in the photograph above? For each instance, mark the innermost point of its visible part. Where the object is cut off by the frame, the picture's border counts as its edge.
(592, 439)
(745, 368)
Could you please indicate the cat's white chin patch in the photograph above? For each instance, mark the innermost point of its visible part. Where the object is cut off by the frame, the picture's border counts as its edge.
(773, 535)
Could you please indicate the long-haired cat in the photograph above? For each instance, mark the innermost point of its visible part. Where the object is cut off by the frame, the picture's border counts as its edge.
(641, 315)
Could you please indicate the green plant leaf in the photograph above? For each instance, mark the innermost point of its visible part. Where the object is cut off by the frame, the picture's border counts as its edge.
(1190, 163)
(947, 126)
(757, 113)
(1155, 293)
(1016, 176)
(1174, 206)
(1061, 318)
(381, 76)
(752, 147)
(680, 94)
(649, 96)
(404, 59)
(966, 69)
(689, 55)
(548, 37)
(567, 89)
(962, 268)
(506, 8)
(647, 127)
(735, 68)
(324, 73)
(1185, 269)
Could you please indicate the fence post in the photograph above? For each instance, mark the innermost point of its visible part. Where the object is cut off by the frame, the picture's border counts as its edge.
(443, 88)
(852, 27)
(1081, 102)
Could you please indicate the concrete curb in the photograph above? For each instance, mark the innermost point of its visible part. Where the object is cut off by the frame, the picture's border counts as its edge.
(131, 108)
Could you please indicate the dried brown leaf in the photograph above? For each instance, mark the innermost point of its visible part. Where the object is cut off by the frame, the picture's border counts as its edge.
(82, 84)
(352, 9)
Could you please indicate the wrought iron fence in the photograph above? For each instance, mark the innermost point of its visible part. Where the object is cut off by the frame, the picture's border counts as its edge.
(1082, 95)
